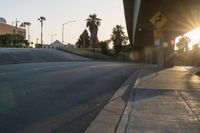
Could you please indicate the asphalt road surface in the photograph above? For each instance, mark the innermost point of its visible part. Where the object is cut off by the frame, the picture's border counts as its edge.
(30, 55)
(59, 97)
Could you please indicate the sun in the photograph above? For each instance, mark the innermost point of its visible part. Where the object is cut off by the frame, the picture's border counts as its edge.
(194, 37)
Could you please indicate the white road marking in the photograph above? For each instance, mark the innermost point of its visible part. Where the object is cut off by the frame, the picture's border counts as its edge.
(38, 69)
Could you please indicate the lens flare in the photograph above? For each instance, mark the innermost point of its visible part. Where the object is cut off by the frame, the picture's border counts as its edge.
(194, 37)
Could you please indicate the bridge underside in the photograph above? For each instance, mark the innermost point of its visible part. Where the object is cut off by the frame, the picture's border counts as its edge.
(182, 15)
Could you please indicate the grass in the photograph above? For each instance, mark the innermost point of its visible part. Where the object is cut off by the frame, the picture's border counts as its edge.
(123, 57)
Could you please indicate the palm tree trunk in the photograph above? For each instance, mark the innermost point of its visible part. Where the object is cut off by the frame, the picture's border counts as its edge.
(93, 47)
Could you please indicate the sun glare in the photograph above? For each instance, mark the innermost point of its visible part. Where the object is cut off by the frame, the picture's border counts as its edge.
(194, 36)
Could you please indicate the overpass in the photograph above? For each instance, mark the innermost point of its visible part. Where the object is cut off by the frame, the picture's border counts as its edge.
(182, 15)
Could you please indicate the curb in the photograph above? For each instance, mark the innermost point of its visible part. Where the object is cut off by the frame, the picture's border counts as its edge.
(109, 119)
(128, 109)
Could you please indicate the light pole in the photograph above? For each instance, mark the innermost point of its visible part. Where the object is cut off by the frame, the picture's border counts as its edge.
(41, 19)
(52, 37)
(63, 29)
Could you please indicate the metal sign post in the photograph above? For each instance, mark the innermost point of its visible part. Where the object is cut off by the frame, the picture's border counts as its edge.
(157, 44)
(158, 20)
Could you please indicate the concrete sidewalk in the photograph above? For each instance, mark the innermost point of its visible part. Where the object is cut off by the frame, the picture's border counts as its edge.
(165, 103)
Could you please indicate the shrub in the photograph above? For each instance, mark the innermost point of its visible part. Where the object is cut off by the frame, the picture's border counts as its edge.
(104, 47)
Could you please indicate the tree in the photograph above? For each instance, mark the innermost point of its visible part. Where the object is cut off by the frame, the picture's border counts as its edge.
(183, 44)
(18, 39)
(93, 23)
(28, 24)
(41, 19)
(84, 40)
(22, 25)
(5, 40)
(8, 39)
(118, 37)
(104, 46)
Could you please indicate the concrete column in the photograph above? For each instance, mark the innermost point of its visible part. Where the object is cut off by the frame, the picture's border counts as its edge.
(136, 11)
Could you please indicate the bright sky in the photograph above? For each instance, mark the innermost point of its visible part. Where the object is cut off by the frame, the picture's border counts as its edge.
(194, 37)
(58, 12)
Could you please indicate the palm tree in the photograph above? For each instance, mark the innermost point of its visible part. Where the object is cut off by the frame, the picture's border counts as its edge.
(93, 23)
(28, 24)
(41, 19)
(118, 37)
(22, 25)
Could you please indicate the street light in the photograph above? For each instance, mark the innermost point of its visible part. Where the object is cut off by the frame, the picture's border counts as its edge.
(52, 37)
(41, 19)
(63, 29)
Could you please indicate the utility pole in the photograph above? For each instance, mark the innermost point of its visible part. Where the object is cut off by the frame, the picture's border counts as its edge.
(37, 41)
(159, 21)
(41, 19)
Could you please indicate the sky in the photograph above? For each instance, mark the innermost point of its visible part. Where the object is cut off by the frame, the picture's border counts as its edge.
(58, 12)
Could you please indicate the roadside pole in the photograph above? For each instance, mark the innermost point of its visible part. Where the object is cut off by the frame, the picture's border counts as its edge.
(159, 21)
(157, 43)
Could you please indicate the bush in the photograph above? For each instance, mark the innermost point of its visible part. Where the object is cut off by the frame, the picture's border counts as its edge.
(188, 58)
(12, 39)
(104, 47)
(38, 46)
(196, 55)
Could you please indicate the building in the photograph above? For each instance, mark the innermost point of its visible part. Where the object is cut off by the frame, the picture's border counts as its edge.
(56, 44)
(9, 29)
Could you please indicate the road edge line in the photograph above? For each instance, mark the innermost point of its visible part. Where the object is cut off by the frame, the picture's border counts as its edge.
(121, 128)
(108, 120)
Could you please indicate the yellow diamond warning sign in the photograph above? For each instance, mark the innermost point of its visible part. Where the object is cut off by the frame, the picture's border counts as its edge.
(158, 20)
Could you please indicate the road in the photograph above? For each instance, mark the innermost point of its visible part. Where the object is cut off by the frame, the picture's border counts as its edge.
(56, 97)
(29, 55)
